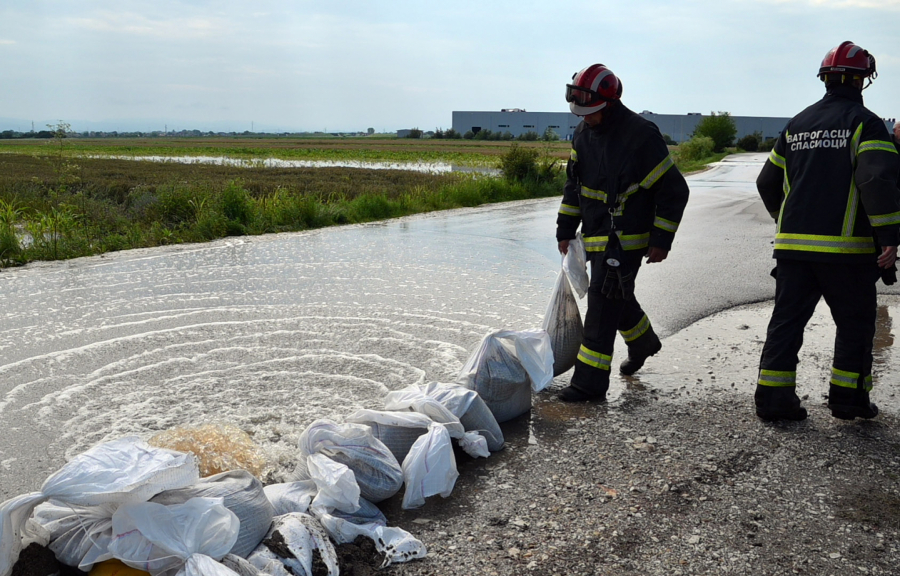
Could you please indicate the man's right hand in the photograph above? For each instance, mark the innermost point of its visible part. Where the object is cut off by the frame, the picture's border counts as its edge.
(888, 257)
(563, 247)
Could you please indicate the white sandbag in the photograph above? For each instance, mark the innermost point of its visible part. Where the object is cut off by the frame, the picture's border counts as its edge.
(575, 266)
(77, 535)
(431, 399)
(397, 430)
(336, 485)
(396, 544)
(291, 496)
(32, 532)
(288, 547)
(464, 404)
(506, 367)
(376, 470)
(123, 470)
(474, 444)
(562, 322)
(368, 513)
(429, 468)
(265, 561)
(499, 378)
(159, 538)
(242, 493)
(298, 497)
(200, 565)
(533, 350)
(241, 566)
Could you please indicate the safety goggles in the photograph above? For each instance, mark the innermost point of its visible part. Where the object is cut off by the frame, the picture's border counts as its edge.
(583, 96)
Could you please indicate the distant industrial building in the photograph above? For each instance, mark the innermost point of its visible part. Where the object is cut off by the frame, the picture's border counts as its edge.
(679, 127)
(516, 122)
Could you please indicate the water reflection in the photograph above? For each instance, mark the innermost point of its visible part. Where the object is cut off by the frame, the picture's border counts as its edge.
(426, 167)
(884, 338)
(721, 352)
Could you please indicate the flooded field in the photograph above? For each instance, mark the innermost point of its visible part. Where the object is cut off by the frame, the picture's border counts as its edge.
(461, 152)
(427, 167)
(272, 332)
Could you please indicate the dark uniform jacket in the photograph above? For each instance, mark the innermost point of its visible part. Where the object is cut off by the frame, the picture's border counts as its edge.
(623, 163)
(831, 182)
(897, 146)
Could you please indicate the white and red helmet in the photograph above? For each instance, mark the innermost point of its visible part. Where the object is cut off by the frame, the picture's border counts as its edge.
(849, 60)
(592, 89)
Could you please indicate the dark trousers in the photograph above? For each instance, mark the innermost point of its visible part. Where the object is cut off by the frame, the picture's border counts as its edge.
(604, 317)
(849, 291)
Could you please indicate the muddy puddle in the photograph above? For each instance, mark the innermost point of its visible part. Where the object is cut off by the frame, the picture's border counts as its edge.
(721, 353)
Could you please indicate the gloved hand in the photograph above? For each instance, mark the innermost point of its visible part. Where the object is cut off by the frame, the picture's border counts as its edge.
(889, 276)
(618, 283)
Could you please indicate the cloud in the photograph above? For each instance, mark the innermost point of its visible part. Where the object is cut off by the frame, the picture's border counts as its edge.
(136, 24)
(6, 42)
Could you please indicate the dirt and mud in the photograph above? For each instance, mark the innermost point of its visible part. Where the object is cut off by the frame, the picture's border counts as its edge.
(676, 475)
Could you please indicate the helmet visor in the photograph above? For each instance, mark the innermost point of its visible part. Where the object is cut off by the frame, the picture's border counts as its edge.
(582, 96)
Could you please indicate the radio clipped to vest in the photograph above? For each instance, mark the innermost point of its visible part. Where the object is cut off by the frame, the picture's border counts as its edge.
(618, 283)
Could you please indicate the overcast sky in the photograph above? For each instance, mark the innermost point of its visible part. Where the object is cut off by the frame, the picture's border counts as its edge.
(342, 65)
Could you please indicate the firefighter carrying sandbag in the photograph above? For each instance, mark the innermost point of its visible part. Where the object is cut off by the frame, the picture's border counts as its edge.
(626, 193)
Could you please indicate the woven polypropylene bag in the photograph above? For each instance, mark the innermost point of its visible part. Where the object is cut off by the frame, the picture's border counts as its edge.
(375, 468)
(463, 403)
(501, 381)
(396, 430)
(242, 493)
(563, 324)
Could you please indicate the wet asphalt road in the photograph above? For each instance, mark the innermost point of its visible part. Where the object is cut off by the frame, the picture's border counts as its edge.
(273, 332)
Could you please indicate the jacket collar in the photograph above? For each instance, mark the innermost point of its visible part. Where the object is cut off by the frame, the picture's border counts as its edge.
(844, 91)
(611, 116)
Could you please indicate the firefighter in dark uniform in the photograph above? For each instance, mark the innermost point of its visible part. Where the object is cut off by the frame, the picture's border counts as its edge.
(830, 184)
(896, 137)
(626, 193)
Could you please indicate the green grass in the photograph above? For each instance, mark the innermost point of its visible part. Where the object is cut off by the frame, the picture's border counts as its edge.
(689, 166)
(71, 209)
(59, 202)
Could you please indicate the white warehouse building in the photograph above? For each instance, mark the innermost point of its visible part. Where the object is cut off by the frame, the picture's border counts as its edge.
(678, 126)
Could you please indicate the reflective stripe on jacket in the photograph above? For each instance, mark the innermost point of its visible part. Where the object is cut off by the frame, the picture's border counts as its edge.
(830, 182)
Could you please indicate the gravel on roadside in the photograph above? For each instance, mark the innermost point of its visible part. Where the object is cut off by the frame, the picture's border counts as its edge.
(663, 483)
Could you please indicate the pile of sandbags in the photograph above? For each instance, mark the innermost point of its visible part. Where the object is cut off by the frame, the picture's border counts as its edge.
(126, 502)
(147, 506)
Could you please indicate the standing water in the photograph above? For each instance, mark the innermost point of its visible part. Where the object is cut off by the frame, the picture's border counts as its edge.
(268, 333)
(426, 167)
(273, 332)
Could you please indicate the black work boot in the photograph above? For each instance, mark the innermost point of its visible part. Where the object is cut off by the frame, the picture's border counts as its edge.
(572, 394)
(850, 403)
(588, 384)
(639, 350)
(778, 403)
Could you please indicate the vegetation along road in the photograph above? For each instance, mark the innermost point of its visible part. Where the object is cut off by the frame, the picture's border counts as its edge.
(63, 198)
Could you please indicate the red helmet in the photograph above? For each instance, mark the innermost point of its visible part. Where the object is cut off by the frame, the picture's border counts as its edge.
(850, 60)
(591, 89)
